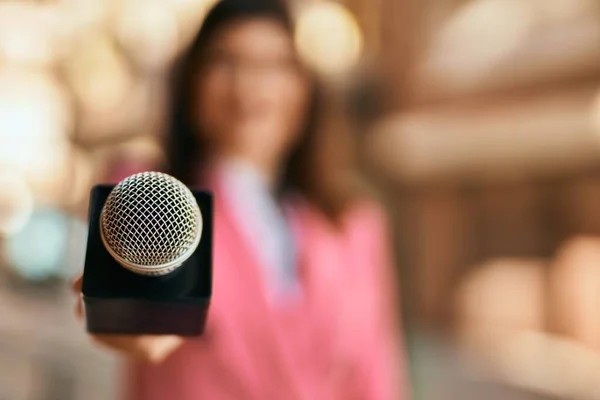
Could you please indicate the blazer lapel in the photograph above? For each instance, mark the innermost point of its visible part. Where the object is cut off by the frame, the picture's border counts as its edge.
(245, 304)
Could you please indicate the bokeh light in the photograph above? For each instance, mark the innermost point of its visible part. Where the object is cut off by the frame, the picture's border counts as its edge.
(98, 74)
(574, 282)
(16, 202)
(148, 31)
(66, 177)
(564, 11)
(81, 171)
(34, 115)
(35, 120)
(595, 114)
(502, 294)
(329, 38)
(110, 99)
(50, 245)
(476, 38)
(190, 14)
(26, 35)
(33, 104)
(80, 16)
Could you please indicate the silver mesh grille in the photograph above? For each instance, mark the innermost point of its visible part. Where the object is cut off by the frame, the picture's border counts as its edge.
(151, 223)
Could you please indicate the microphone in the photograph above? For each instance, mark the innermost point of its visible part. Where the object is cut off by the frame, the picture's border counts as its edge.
(151, 223)
(148, 266)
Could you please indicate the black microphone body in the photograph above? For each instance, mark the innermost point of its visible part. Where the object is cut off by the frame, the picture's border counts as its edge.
(120, 301)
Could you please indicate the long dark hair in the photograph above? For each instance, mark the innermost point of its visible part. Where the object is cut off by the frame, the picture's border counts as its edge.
(186, 149)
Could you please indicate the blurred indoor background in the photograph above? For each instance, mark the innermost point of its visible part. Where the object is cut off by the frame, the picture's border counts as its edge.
(479, 121)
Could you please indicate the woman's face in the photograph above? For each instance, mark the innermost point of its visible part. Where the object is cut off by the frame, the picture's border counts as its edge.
(252, 96)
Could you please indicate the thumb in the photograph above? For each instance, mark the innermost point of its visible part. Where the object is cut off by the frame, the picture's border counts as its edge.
(77, 284)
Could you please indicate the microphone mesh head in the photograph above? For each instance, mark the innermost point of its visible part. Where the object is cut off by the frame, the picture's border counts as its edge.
(151, 223)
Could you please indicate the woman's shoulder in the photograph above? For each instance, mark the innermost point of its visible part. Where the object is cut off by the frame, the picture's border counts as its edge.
(368, 216)
(365, 213)
(366, 209)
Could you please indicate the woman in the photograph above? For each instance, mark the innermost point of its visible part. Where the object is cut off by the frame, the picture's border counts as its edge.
(301, 306)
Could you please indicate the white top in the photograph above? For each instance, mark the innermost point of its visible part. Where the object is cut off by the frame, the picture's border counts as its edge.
(263, 221)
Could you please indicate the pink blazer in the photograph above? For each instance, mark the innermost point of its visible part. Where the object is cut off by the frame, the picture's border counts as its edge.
(336, 342)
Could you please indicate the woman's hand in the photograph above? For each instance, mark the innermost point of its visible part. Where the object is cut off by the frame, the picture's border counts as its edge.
(146, 348)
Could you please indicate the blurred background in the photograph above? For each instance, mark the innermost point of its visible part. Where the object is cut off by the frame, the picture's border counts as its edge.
(478, 121)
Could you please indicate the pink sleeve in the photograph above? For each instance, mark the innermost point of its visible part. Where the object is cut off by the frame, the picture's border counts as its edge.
(381, 366)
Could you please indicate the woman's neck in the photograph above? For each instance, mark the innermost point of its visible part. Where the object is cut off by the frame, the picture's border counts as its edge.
(268, 176)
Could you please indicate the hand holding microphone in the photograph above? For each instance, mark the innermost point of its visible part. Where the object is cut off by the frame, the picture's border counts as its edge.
(147, 280)
(147, 348)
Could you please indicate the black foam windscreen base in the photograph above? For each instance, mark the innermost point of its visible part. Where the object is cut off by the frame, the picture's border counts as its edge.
(118, 301)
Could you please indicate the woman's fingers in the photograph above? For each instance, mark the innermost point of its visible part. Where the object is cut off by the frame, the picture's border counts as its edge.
(77, 285)
(152, 349)
(79, 309)
(156, 349)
